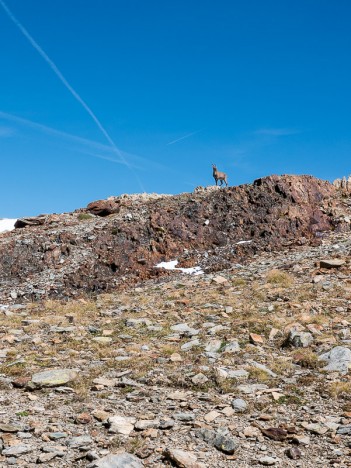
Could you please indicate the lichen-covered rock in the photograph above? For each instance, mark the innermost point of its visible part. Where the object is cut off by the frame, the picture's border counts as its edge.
(121, 460)
(338, 359)
(53, 378)
(299, 339)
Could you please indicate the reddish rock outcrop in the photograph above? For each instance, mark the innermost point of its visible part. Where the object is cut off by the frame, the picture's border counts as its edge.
(132, 234)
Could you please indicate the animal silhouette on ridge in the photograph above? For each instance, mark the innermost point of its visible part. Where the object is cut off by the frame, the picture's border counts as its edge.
(219, 176)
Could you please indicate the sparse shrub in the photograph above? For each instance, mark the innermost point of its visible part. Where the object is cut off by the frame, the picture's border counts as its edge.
(306, 358)
(280, 278)
(238, 281)
(258, 374)
(84, 216)
(338, 389)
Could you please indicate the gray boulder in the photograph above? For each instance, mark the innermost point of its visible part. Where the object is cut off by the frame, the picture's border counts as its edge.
(121, 460)
(338, 359)
(299, 339)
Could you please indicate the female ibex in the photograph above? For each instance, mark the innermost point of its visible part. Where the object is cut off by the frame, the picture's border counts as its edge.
(219, 176)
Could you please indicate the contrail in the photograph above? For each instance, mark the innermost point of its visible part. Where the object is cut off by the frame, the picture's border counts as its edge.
(137, 163)
(183, 137)
(63, 80)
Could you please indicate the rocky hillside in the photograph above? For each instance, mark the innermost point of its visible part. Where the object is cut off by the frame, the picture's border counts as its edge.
(120, 240)
(244, 365)
(249, 367)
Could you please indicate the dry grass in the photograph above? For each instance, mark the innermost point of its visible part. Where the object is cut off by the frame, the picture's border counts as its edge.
(257, 374)
(338, 389)
(279, 278)
(306, 358)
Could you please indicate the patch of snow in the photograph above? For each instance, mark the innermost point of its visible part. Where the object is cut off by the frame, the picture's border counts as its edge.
(7, 224)
(171, 265)
(244, 242)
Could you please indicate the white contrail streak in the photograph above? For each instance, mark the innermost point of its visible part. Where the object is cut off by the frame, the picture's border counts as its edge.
(183, 137)
(63, 80)
(138, 161)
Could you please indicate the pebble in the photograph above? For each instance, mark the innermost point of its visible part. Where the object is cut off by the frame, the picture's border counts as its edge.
(239, 405)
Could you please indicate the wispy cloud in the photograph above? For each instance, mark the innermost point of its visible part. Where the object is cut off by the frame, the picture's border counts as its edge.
(183, 137)
(276, 132)
(6, 132)
(83, 145)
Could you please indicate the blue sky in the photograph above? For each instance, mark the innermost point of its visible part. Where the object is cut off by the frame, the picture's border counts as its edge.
(257, 87)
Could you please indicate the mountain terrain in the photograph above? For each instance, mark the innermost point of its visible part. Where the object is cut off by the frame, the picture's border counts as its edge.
(107, 360)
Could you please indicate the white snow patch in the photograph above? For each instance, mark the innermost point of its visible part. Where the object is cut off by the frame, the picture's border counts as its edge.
(244, 242)
(7, 224)
(171, 265)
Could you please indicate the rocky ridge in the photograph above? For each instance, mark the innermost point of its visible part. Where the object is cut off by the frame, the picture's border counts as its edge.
(119, 241)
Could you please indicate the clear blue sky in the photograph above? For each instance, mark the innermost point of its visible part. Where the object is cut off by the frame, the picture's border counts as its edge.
(257, 87)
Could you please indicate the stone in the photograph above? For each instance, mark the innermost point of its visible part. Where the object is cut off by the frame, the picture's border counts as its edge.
(57, 435)
(225, 444)
(178, 395)
(199, 379)
(181, 458)
(121, 460)
(338, 359)
(213, 346)
(4, 427)
(100, 415)
(104, 207)
(31, 221)
(53, 378)
(121, 424)
(176, 357)
(251, 431)
(211, 416)
(344, 430)
(46, 457)
(79, 441)
(190, 344)
(83, 418)
(228, 411)
(105, 382)
(239, 405)
(143, 424)
(252, 388)
(275, 433)
(16, 450)
(301, 440)
(185, 417)
(315, 428)
(166, 424)
(220, 374)
(184, 329)
(256, 339)
(267, 461)
(104, 340)
(220, 439)
(293, 452)
(332, 263)
(231, 347)
(262, 367)
(299, 339)
(237, 374)
(219, 280)
(133, 322)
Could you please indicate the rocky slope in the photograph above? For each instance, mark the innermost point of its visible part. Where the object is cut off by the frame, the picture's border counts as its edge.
(120, 240)
(249, 367)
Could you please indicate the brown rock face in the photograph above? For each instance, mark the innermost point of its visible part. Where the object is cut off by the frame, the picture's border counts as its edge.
(130, 235)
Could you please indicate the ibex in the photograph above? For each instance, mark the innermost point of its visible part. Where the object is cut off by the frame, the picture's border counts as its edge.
(219, 176)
